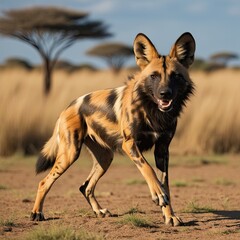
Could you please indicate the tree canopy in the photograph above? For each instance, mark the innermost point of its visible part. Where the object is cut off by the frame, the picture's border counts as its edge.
(115, 54)
(223, 57)
(50, 30)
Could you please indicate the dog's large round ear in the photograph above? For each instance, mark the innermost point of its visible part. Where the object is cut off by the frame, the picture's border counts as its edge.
(144, 50)
(183, 49)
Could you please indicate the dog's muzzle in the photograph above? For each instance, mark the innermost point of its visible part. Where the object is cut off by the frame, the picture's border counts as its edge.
(164, 99)
(164, 105)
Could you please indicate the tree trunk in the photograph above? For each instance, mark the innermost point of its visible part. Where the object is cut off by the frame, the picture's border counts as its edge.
(47, 76)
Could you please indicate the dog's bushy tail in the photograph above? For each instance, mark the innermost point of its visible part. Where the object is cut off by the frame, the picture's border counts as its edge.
(48, 154)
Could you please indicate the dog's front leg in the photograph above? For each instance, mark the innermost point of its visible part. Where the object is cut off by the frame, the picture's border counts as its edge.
(161, 154)
(159, 195)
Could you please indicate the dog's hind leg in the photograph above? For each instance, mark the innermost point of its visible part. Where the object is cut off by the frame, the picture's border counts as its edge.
(64, 160)
(71, 137)
(102, 158)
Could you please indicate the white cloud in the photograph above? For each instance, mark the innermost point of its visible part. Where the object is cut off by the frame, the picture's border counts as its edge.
(234, 10)
(103, 6)
(197, 7)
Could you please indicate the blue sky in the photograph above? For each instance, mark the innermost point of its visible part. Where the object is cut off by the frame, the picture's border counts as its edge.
(215, 25)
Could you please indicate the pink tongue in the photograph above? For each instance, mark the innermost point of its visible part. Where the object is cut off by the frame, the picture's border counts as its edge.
(164, 103)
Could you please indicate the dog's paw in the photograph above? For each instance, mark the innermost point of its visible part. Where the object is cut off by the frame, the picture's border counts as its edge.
(37, 216)
(173, 221)
(103, 213)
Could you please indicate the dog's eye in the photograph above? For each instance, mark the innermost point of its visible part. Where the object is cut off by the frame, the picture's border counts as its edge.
(153, 76)
(178, 76)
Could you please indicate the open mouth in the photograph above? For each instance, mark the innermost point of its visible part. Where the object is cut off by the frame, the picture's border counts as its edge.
(164, 105)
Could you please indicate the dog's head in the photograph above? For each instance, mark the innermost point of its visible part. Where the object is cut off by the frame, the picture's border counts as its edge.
(165, 78)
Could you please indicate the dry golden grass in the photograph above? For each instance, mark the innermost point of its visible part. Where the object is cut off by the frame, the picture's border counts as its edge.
(27, 116)
(210, 123)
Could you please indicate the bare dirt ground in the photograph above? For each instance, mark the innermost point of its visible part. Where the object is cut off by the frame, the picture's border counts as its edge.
(205, 193)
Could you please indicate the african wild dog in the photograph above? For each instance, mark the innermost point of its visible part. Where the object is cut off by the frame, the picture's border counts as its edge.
(132, 118)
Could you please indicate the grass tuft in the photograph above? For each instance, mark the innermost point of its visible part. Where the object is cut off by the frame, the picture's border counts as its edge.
(63, 233)
(193, 207)
(135, 181)
(230, 231)
(137, 221)
(7, 223)
(224, 182)
(3, 187)
(134, 210)
(180, 183)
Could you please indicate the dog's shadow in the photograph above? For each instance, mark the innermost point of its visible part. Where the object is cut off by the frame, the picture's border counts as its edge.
(233, 215)
(52, 219)
(221, 215)
(191, 223)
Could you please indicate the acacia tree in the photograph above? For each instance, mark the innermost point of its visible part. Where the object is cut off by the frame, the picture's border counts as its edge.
(50, 30)
(223, 57)
(115, 54)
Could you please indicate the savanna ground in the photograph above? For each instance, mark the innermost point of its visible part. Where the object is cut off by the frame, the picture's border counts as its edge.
(205, 186)
(205, 194)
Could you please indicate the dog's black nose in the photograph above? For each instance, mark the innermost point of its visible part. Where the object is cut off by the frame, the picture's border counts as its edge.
(165, 93)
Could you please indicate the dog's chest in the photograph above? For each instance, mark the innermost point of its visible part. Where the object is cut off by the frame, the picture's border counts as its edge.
(145, 136)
